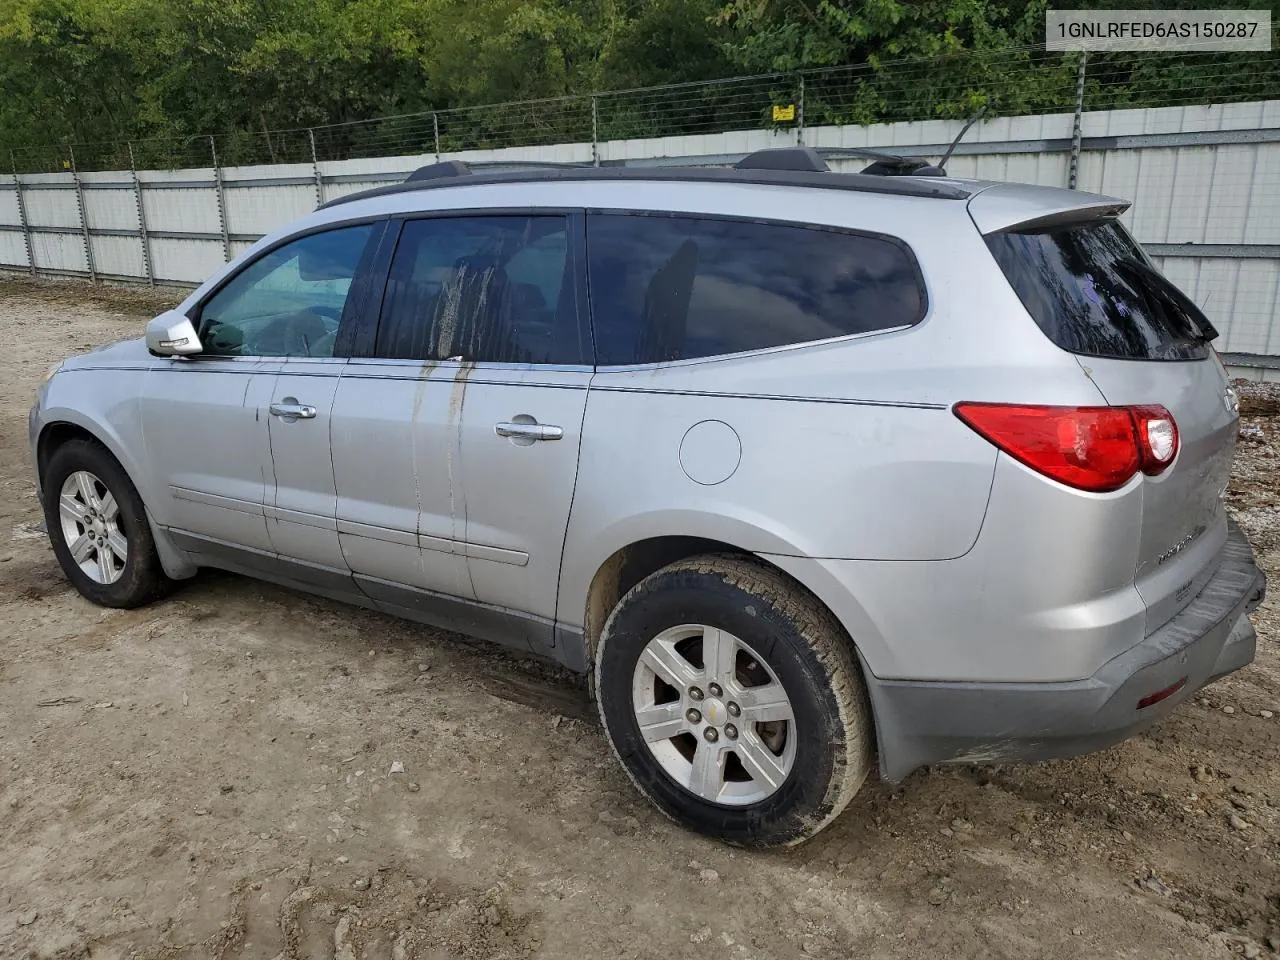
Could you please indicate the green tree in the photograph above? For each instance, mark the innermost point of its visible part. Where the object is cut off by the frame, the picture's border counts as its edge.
(167, 73)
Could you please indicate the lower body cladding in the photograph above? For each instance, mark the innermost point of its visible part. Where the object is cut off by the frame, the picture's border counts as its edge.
(920, 723)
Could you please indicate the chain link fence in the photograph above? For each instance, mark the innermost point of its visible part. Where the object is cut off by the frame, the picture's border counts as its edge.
(1013, 82)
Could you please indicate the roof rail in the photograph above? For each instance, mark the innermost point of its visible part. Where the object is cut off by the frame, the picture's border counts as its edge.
(892, 165)
(795, 159)
(437, 175)
(784, 158)
(433, 171)
(457, 168)
(904, 167)
(887, 164)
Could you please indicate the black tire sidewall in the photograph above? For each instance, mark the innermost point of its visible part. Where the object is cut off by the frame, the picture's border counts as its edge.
(684, 596)
(139, 581)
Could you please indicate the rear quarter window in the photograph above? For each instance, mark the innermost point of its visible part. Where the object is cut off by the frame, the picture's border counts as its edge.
(669, 288)
(1094, 292)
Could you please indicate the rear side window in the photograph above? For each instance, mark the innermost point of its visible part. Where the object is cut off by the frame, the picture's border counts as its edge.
(677, 288)
(484, 288)
(1094, 292)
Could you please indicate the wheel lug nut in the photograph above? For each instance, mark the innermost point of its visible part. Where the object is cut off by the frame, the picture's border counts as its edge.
(731, 731)
(733, 708)
(712, 734)
(695, 693)
(693, 716)
(714, 689)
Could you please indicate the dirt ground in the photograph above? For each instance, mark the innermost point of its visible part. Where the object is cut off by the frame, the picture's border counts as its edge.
(212, 777)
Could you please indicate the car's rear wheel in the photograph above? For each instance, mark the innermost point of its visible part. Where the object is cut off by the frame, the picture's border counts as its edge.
(734, 701)
(98, 527)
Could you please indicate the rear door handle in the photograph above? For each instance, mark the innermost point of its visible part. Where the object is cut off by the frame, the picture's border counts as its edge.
(291, 409)
(529, 431)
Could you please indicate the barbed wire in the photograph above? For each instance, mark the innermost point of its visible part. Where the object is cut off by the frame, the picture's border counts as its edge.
(1015, 81)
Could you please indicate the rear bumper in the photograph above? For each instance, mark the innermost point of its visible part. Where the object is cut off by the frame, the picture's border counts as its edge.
(921, 723)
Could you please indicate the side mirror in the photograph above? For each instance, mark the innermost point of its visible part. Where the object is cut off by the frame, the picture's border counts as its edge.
(172, 334)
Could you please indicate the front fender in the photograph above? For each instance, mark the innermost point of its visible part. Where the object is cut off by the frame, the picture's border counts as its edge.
(121, 434)
(104, 431)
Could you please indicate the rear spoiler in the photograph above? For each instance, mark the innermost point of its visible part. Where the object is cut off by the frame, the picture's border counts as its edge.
(1007, 207)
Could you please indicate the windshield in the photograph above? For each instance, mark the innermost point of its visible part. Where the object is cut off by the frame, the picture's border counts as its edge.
(1094, 292)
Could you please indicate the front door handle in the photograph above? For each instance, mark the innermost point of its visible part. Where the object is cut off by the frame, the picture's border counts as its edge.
(291, 409)
(528, 430)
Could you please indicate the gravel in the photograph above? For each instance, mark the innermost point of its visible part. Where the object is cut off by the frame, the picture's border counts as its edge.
(537, 821)
(1258, 399)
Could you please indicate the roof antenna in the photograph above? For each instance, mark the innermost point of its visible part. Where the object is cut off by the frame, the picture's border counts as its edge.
(942, 164)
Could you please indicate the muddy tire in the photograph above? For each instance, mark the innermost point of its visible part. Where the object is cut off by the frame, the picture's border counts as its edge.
(98, 527)
(734, 701)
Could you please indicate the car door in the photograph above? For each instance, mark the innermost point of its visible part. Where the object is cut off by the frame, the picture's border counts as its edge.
(526, 365)
(480, 335)
(210, 422)
(394, 437)
(204, 429)
(508, 328)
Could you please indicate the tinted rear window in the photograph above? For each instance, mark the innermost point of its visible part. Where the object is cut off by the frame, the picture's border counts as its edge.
(1094, 292)
(676, 288)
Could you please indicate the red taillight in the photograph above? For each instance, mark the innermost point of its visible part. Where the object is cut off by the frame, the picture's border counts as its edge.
(1090, 448)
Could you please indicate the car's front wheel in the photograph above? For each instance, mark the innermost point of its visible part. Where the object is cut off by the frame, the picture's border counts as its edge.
(734, 701)
(98, 527)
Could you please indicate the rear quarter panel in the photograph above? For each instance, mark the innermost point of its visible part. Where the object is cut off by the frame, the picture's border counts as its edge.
(800, 476)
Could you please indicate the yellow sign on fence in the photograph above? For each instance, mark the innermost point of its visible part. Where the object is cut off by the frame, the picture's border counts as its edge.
(785, 114)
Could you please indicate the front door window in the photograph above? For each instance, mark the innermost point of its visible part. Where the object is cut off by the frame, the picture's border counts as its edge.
(291, 302)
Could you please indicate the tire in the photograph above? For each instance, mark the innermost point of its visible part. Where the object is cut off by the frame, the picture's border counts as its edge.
(768, 635)
(109, 507)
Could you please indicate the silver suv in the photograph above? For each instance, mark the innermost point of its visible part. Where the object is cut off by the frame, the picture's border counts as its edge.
(803, 468)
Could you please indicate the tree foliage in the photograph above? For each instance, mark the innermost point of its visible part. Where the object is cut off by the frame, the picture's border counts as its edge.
(175, 71)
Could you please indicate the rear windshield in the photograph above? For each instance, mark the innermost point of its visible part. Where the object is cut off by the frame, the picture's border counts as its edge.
(1094, 292)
